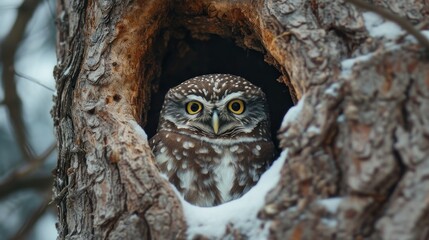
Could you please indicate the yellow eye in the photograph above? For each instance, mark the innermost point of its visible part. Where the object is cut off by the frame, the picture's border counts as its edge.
(236, 106)
(193, 107)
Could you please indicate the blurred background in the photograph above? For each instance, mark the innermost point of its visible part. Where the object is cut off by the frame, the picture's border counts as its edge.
(27, 142)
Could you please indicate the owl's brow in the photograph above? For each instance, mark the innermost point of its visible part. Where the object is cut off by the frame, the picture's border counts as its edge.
(221, 102)
(230, 97)
(197, 98)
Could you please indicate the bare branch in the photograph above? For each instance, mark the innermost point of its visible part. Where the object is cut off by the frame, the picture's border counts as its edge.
(42, 182)
(29, 224)
(19, 179)
(11, 99)
(402, 22)
(31, 79)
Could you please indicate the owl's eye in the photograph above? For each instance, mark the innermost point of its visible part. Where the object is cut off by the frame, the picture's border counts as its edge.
(236, 106)
(193, 107)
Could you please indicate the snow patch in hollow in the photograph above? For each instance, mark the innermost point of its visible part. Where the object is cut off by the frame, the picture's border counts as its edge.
(242, 212)
(293, 113)
(138, 129)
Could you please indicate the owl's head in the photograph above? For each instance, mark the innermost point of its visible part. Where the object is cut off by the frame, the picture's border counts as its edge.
(216, 106)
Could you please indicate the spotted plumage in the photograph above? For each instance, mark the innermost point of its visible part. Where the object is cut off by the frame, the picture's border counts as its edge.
(213, 140)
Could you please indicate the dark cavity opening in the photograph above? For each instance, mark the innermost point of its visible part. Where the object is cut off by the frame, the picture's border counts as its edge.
(187, 57)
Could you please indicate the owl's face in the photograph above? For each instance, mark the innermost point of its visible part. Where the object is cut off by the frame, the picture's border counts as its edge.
(213, 140)
(216, 106)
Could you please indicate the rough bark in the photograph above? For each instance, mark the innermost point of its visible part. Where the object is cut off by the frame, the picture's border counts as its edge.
(107, 185)
(361, 136)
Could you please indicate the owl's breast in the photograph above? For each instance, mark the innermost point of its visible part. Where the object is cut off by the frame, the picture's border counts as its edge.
(208, 172)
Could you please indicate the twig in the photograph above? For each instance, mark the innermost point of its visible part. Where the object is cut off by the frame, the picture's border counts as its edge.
(18, 179)
(31, 167)
(60, 195)
(30, 223)
(11, 99)
(402, 22)
(43, 182)
(31, 79)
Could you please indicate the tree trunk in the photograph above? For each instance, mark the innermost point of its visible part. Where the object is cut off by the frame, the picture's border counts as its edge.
(357, 150)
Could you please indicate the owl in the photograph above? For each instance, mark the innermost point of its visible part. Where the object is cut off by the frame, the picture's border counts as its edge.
(213, 139)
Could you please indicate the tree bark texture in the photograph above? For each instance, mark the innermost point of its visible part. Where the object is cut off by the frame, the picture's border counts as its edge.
(362, 137)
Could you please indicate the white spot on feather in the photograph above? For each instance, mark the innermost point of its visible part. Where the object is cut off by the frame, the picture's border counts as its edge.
(188, 145)
(217, 149)
(162, 158)
(255, 151)
(169, 165)
(202, 150)
(178, 157)
(233, 148)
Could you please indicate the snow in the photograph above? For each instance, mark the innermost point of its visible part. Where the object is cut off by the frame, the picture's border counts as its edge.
(380, 28)
(333, 90)
(293, 112)
(412, 39)
(138, 129)
(341, 118)
(329, 222)
(347, 64)
(313, 130)
(208, 221)
(212, 221)
(377, 26)
(331, 204)
(425, 33)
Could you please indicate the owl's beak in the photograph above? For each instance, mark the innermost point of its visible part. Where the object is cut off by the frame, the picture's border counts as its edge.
(215, 122)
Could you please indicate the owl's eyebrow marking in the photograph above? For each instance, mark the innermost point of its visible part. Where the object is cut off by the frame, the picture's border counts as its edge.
(197, 98)
(221, 102)
(230, 97)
